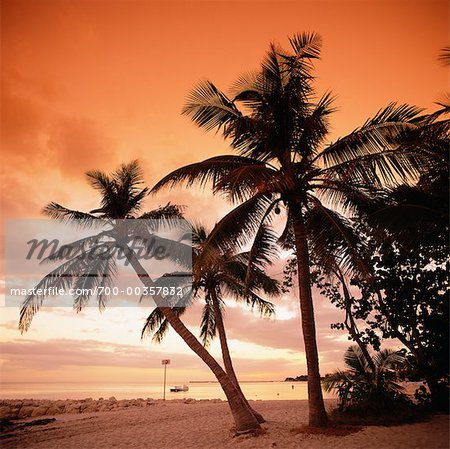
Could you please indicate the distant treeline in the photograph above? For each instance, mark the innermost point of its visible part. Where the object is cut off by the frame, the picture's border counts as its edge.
(302, 378)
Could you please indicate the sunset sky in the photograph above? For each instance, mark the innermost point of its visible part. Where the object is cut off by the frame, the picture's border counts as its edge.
(92, 84)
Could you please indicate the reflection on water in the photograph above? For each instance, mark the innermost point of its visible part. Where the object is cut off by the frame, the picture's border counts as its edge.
(200, 390)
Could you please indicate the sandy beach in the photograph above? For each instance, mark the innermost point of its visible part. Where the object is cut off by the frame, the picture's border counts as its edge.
(208, 424)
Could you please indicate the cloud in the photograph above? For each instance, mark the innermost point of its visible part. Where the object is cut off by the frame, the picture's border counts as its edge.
(76, 144)
(10, 325)
(44, 146)
(56, 354)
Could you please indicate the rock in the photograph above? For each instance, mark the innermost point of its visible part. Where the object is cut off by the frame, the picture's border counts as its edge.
(73, 409)
(92, 408)
(100, 399)
(27, 403)
(15, 412)
(112, 398)
(6, 412)
(53, 410)
(104, 408)
(39, 411)
(25, 411)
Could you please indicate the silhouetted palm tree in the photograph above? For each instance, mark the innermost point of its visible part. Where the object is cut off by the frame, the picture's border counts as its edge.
(121, 198)
(220, 275)
(367, 387)
(278, 126)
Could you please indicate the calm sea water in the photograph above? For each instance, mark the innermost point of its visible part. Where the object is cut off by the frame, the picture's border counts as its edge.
(200, 390)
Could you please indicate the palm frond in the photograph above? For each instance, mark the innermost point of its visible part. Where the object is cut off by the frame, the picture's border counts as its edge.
(236, 229)
(209, 170)
(74, 217)
(208, 325)
(248, 296)
(355, 360)
(95, 273)
(335, 380)
(313, 127)
(73, 249)
(129, 176)
(166, 213)
(209, 108)
(61, 277)
(244, 181)
(157, 324)
(334, 241)
(100, 181)
(372, 154)
(444, 56)
(306, 45)
(107, 280)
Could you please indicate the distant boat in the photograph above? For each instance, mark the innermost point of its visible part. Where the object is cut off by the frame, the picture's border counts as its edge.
(178, 388)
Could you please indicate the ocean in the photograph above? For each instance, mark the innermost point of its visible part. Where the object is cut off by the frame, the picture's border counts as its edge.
(197, 390)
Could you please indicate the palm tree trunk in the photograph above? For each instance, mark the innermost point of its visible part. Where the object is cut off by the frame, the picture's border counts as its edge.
(317, 413)
(226, 357)
(244, 420)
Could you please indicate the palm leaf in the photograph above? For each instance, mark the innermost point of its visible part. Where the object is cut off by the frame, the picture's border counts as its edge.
(236, 229)
(208, 326)
(209, 108)
(209, 170)
(334, 241)
(73, 217)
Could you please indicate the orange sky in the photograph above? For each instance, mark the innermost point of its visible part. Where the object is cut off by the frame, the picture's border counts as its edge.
(90, 84)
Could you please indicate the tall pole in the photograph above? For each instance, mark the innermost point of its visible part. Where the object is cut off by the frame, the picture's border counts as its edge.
(165, 362)
(164, 394)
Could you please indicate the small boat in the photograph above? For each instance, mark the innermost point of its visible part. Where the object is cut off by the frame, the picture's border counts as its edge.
(178, 388)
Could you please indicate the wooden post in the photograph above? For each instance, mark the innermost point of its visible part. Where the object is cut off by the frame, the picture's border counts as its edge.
(165, 362)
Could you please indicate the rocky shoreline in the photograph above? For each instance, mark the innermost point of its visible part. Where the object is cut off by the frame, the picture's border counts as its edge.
(32, 408)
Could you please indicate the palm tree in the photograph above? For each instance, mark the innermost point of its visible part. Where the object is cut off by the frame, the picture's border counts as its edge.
(363, 388)
(278, 126)
(225, 274)
(121, 198)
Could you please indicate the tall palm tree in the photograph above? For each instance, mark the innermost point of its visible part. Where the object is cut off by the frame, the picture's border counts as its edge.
(121, 198)
(220, 275)
(367, 385)
(278, 126)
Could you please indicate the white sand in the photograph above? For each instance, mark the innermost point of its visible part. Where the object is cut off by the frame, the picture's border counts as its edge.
(208, 424)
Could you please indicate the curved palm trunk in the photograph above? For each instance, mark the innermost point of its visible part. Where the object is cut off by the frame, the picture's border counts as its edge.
(228, 363)
(244, 420)
(317, 413)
